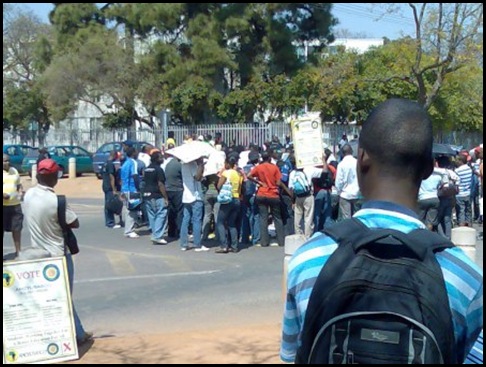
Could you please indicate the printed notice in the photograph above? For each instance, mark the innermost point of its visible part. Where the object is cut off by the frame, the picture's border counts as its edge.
(307, 138)
(38, 325)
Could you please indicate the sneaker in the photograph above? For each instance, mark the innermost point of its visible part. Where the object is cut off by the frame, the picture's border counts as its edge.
(116, 226)
(86, 338)
(221, 251)
(132, 235)
(160, 241)
(234, 250)
(184, 248)
(201, 249)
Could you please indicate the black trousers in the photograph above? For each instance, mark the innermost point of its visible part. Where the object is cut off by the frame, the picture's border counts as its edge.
(264, 204)
(175, 213)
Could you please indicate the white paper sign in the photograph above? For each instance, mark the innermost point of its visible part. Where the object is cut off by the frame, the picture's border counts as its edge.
(38, 324)
(307, 138)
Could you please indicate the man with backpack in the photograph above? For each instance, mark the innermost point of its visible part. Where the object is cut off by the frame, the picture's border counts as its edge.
(379, 288)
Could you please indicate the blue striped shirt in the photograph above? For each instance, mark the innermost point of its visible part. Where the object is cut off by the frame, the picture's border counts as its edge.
(476, 354)
(463, 278)
(465, 180)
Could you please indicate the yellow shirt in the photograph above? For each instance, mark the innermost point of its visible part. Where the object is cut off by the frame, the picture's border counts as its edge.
(236, 180)
(11, 182)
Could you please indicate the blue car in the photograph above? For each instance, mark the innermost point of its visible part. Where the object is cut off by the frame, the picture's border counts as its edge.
(103, 152)
(17, 153)
(61, 154)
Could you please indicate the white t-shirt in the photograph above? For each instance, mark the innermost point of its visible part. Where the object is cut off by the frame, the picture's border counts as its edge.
(192, 188)
(40, 211)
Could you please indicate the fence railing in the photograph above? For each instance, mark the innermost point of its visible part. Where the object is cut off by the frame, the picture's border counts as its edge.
(244, 134)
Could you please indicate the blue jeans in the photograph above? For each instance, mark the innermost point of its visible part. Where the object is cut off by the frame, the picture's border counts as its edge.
(464, 210)
(194, 212)
(77, 322)
(322, 210)
(227, 216)
(157, 214)
(250, 222)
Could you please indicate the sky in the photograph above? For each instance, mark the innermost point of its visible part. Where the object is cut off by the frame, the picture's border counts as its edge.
(359, 18)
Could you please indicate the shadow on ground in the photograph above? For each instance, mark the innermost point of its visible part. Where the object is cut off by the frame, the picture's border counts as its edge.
(248, 345)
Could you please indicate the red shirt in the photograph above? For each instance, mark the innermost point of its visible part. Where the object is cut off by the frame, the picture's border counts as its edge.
(269, 174)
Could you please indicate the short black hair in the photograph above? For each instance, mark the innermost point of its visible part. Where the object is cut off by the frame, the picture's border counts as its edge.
(398, 134)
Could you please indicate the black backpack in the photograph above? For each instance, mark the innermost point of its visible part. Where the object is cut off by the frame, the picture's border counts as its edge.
(370, 306)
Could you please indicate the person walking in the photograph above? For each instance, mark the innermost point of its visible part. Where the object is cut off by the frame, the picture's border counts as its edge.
(347, 183)
(111, 188)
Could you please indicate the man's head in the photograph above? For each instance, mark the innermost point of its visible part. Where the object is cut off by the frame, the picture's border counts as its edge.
(6, 162)
(395, 145)
(156, 157)
(267, 156)
(47, 172)
(347, 150)
(147, 148)
(253, 157)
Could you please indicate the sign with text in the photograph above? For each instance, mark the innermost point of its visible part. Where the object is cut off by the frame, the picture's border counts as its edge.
(38, 324)
(307, 139)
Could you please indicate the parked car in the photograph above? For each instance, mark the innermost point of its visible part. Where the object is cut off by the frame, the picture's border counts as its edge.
(103, 152)
(61, 154)
(17, 154)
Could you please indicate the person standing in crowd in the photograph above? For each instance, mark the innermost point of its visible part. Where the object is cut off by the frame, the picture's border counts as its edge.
(446, 202)
(43, 154)
(228, 212)
(463, 198)
(155, 197)
(173, 185)
(285, 166)
(300, 184)
(111, 187)
(250, 223)
(268, 177)
(347, 184)
(323, 183)
(12, 210)
(428, 201)
(130, 186)
(211, 205)
(192, 198)
(390, 172)
(46, 233)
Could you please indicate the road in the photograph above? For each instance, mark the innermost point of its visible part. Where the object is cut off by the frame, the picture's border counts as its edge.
(125, 286)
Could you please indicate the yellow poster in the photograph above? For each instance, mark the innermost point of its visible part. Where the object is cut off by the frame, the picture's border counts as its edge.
(307, 139)
(38, 324)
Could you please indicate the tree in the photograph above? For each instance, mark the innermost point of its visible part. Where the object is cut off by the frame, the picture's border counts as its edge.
(187, 57)
(24, 58)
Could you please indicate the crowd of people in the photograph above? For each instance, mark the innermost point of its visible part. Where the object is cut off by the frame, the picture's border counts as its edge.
(181, 201)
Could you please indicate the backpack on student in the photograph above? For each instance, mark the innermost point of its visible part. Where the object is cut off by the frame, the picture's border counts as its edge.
(225, 195)
(301, 186)
(375, 306)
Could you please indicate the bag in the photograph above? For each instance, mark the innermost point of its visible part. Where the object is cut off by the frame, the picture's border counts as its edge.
(225, 195)
(370, 306)
(301, 186)
(115, 205)
(448, 187)
(134, 200)
(70, 240)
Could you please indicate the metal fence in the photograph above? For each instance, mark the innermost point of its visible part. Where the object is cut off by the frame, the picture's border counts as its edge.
(91, 139)
(243, 134)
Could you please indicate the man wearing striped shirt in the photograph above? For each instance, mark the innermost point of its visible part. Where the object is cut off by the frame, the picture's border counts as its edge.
(463, 198)
(389, 172)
